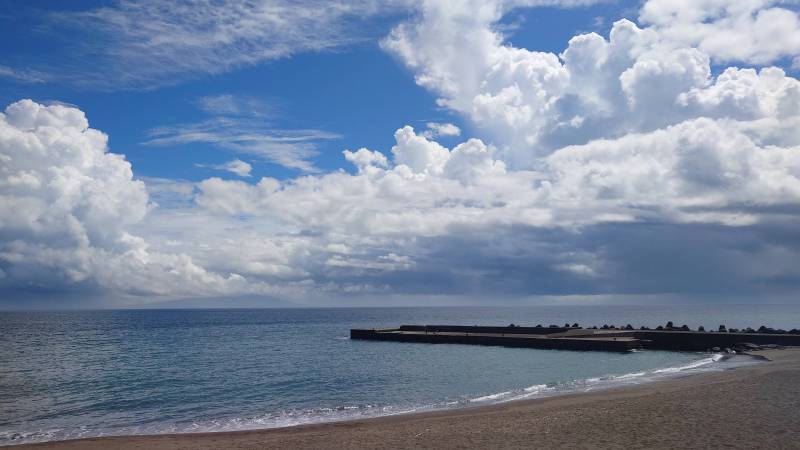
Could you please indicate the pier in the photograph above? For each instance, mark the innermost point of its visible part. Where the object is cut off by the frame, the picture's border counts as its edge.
(577, 338)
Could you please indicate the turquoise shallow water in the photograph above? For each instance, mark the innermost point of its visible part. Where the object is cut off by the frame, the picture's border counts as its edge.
(78, 374)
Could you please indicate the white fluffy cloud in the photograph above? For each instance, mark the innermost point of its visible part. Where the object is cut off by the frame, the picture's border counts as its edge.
(699, 170)
(417, 153)
(531, 103)
(66, 205)
(632, 128)
(364, 159)
(436, 129)
(752, 31)
(622, 149)
(59, 181)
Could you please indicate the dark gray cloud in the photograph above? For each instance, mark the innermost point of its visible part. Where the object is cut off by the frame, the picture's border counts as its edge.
(680, 260)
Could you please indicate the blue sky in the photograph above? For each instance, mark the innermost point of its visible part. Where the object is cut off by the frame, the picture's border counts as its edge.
(358, 92)
(552, 146)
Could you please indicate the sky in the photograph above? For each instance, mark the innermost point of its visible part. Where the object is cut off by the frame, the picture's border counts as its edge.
(401, 152)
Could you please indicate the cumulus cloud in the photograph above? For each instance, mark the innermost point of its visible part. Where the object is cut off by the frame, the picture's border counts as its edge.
(753, 32)
(531, 103)
(436, 129)
(614, 133)
(701, 170)
(417, 153)
(557, 231)
(623, 165)
(67, 204)
(364, 159)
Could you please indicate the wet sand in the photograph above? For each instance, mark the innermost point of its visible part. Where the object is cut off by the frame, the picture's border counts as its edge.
(749, 407)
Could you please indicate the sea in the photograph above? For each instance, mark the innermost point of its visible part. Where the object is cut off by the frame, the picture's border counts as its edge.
(67, 375)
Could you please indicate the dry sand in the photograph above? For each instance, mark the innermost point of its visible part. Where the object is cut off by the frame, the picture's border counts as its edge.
(750, 407)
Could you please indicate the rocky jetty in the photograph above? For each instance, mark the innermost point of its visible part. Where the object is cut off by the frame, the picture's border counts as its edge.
(603, 338)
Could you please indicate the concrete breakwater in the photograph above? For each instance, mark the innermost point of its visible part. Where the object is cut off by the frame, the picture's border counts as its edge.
(576, 338)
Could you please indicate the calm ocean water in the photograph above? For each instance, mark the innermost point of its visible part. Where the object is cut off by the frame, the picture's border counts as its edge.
(77, 374)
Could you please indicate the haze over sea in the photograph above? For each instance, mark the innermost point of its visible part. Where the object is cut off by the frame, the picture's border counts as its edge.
(93, 373)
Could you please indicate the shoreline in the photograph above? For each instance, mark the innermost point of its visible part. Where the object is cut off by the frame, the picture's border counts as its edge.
(730, 404)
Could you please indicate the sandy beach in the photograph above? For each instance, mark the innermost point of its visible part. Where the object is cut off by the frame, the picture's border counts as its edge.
(750, 407)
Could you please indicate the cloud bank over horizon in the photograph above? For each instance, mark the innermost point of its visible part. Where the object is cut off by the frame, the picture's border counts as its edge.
(662, 159)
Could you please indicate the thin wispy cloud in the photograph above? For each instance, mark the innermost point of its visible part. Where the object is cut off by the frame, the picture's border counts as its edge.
(234, 105)
(240, 128)
(149, 43)
(22, 75)
(288, 148)
(236, 166)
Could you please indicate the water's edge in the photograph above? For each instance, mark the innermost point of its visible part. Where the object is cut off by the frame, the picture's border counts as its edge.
(709, 363)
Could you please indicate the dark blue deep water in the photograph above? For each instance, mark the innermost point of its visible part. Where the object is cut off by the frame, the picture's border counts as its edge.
(76, 374)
